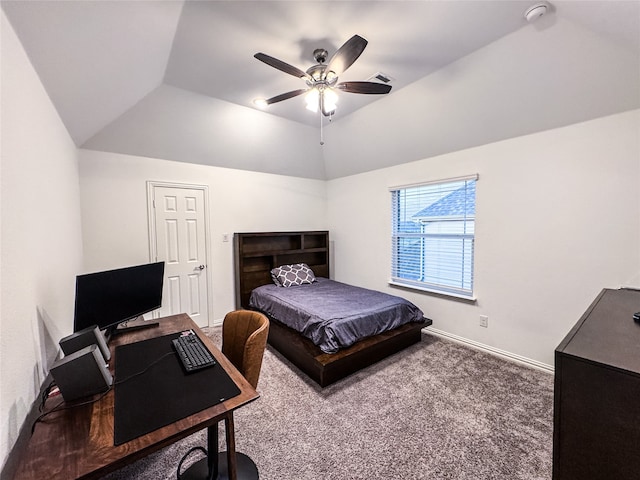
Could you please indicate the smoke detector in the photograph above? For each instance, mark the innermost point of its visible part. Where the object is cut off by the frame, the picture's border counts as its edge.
(536, 10)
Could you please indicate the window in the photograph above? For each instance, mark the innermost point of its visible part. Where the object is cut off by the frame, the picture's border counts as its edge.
(433, 236)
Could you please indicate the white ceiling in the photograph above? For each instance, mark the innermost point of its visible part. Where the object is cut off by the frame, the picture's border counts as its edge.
(106, 64)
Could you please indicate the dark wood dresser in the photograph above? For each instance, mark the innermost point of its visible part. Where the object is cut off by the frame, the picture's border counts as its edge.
(597, 393)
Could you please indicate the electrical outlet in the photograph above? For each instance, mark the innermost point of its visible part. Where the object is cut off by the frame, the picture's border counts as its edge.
(484, 321)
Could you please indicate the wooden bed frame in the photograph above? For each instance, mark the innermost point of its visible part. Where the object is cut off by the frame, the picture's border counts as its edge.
(257, 253)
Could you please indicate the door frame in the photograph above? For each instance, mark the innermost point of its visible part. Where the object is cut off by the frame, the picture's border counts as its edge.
(151, 220)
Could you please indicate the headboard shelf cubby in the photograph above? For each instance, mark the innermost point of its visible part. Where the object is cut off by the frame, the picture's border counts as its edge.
(257, 253)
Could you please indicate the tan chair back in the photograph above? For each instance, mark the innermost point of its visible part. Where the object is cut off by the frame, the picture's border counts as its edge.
(244, 337)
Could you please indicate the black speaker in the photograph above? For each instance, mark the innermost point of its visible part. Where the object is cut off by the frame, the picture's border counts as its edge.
(84, 338)
(81, 374)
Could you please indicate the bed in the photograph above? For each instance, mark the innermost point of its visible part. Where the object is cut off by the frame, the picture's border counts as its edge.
(342, 351)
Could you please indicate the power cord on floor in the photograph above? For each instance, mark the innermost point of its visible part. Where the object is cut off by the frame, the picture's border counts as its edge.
(186, 455)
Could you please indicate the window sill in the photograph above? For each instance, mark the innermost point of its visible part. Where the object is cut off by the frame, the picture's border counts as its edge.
(440, 293)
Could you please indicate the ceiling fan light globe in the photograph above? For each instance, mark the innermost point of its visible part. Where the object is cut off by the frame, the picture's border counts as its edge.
(312, 99)
(330, 100)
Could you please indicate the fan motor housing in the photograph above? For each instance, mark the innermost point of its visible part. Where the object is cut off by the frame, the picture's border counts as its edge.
(320, 54)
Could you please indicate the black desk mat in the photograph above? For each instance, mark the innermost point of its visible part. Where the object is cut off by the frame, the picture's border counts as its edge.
(155, 391)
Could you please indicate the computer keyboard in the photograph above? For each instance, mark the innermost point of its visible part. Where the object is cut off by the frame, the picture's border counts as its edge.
(192, 352)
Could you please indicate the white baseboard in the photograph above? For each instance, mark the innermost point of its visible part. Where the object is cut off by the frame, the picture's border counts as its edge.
(217, 322)
(492, 350)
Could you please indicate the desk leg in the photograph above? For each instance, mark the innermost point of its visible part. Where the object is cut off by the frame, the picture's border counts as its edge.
(212, 448)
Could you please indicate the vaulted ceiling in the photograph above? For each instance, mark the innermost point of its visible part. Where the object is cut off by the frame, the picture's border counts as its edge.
(175, 80)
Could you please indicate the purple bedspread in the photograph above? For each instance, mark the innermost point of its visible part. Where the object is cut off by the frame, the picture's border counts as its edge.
(334, 315)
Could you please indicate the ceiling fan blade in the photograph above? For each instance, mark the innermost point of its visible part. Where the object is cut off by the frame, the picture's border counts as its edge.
(285, 96)
(282, 66)
(371, 88)
(346, 55)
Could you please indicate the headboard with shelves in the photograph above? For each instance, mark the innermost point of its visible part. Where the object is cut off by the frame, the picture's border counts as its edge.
(257, 253)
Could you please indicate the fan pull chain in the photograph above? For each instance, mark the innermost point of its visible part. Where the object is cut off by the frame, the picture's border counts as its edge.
(321, 130)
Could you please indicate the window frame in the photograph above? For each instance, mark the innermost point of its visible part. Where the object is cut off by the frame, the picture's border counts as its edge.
(466, 267)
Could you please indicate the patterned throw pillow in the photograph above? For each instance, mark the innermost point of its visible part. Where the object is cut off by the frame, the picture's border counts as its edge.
(290, 275)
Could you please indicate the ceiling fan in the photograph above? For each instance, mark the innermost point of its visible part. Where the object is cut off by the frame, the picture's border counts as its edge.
(322, 78)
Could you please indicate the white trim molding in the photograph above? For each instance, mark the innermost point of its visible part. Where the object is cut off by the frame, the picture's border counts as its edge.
(217, 322)
(432, 182)
(492, 350)
(151, 231)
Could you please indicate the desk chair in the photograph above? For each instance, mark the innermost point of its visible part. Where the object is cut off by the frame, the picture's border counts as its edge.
(244, 338)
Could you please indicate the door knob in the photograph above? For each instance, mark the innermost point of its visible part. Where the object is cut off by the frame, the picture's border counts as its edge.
(201, 267)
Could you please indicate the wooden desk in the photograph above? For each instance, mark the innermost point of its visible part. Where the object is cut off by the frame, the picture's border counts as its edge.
(78, 443)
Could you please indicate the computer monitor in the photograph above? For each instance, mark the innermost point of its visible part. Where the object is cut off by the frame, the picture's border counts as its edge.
(109, 298)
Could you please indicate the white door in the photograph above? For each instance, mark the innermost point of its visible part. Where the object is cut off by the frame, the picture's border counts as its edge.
(180, 240)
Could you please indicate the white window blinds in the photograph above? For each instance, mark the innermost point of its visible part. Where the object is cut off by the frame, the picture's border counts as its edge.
(433, 236)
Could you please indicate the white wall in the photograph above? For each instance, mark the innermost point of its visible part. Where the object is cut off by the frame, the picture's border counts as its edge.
(550, 228)
(41, 246)
(557, 220)
(114, 211)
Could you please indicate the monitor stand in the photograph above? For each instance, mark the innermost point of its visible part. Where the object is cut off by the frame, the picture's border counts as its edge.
(139, 323)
